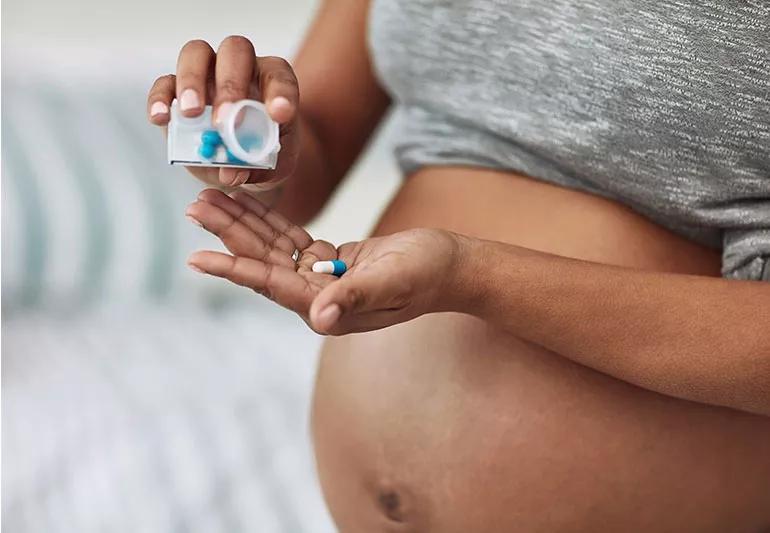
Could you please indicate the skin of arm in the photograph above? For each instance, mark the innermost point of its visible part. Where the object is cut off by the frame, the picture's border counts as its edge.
(697, 338)
(341, 103)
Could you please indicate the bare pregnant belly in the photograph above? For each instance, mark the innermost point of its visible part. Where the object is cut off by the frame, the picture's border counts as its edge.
(447, 424)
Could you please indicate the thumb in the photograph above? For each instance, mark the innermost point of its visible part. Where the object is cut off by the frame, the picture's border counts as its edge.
(351, 295)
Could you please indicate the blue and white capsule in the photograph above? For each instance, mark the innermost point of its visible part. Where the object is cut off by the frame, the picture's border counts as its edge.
(335, 267)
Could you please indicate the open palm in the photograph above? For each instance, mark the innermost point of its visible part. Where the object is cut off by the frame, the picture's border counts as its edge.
(389, 279)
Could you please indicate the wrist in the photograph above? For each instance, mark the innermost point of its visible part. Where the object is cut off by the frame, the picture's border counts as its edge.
(486, 272)
(466, 289)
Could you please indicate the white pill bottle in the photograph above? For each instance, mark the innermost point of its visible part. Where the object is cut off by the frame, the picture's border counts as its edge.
(244, 137)
(250, 134)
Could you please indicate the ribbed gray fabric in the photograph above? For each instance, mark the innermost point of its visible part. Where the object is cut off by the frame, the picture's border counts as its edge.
(662, 105)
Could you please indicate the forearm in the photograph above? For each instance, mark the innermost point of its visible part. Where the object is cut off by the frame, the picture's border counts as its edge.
(323, 162)
(306, 191)
(697, 338)
(341, 104)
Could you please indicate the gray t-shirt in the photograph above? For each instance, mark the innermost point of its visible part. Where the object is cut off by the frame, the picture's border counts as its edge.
(663, 105)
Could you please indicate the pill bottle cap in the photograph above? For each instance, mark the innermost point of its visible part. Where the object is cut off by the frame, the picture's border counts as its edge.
(248, 131)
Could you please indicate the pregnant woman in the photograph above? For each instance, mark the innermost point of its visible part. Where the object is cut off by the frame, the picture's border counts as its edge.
(564, 352)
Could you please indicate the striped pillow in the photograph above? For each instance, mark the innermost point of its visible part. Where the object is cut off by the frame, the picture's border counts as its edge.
(91, 212)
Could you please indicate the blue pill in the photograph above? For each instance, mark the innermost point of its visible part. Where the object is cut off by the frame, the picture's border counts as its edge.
(211, 137)
(207, 151)
(339, 267)
(335, 267)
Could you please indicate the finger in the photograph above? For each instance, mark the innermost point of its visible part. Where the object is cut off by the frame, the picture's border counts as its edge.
(233, 177)
(356, 293)
(234, 72)
(297, 234)
(254, 178)
(318, 251)
(280, 90)
(263, 180)
(235, 235)
(280, 284)
(193, 70)
(335, 323)
(268, 234)
(159, 99)
(326, 251)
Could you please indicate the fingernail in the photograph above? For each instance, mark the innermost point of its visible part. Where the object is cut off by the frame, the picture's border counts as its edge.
(222, 111)
(329, 316)
(240, 178)
(195, 268)
(279, 108)
(189, 100)
(194, 220)
(158, 108)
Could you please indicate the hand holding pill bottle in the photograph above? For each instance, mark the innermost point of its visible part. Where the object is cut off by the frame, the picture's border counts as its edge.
(214, 93)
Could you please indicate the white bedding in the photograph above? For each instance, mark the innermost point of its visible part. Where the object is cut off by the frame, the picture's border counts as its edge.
(159, 419)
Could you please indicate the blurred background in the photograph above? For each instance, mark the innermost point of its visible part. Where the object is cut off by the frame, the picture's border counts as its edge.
(137, 395)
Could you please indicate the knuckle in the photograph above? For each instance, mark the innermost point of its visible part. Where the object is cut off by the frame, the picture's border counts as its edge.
(290, 228)
(267, 288)
(355, 297)
(279, 62)
(285, 244)
(162, 87)
(264, 253)
(402, 299)
(191, 78)
(196, 45)
(230, 272)
(163, 81)
(274, 236)
(227, 230)
(237, 41)
(284, 77)
(231, 86)
(242, 218)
